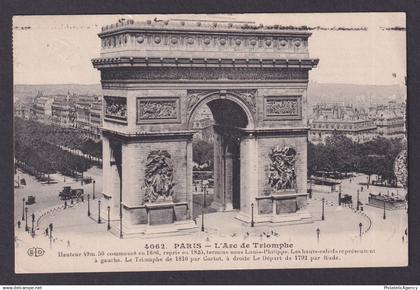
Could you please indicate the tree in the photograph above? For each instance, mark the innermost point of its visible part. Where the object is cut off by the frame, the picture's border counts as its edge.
(202, 152)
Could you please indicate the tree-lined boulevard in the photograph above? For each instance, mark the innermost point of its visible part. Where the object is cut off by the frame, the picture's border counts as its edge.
(39, 149)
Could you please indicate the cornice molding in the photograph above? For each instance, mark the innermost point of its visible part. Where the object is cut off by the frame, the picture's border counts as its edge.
(124, 61)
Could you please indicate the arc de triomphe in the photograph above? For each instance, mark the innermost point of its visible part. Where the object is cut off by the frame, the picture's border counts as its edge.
(157, 74)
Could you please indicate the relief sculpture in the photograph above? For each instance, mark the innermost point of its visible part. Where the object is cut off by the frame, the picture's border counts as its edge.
(115, 107)
(149, 110)
(401, 169)
(282, 170)
(158, 179)
(282, 107)
(248, 97)
(194, 98)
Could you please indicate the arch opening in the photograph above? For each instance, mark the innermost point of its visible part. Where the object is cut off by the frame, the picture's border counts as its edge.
(222, 182)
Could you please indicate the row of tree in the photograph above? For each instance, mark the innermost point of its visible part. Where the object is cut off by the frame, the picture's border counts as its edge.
(340, 154)
(37, 146)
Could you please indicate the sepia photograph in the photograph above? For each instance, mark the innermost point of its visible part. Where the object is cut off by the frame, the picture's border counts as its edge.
(173, 142)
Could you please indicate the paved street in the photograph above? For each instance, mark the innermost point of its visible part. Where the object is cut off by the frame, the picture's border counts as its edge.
(46, 195)
(341, 224)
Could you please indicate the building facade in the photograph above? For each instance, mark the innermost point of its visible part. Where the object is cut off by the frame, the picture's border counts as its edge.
(61, 113)
(41, 109)
(88, 111)
(204, 129)
(352, 122)
(390, 119)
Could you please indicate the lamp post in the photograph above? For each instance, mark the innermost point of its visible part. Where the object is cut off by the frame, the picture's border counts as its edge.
(310, 187)
(26, 219)
(109, 221)
(339, 194)
(202, 210)
(121, 231)
(252, 215)
(323, 202)
(357, 206)
(360, 230)
(384, 210)
(121, 205)
(99, 211)
(88, 197)
(23, 209)
(33, 221)
(51, 229)
(93, 195)
(317, 234)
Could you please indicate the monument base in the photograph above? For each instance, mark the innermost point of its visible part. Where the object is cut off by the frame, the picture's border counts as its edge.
(130, 230)
(158, 218)
(220, 207)
(286, 208)
(301, 216)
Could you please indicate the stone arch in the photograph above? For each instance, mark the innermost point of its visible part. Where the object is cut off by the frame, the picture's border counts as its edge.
(220, 95)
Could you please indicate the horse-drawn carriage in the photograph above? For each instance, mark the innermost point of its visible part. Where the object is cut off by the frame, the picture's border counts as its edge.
(69, 193)
(347, 199)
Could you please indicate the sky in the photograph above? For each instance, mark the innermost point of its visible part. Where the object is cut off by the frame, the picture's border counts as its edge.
(59, 49)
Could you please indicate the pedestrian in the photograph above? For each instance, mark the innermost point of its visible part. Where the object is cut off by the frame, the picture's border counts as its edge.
(68, 243)
(402, 239)
(18, 223)
(46, 232)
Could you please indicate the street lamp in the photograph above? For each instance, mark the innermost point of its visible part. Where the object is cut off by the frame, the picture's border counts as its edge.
(384, 210)
(88, 197)
(33, 220)
(360, 229)
(109, 222)
(202, 210)
(323, 202)
(317, 234)
(23, 209)
(51, 229)
(121, 230)
(252, 215)
(93, 183)
(357, 207)
(26, 219)
(339, 194)
(99, 211)
(310, 187)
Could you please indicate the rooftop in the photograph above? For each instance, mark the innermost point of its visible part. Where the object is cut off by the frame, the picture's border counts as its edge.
(202, 25)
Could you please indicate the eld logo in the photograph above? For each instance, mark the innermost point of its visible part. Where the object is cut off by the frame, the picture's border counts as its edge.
(36, 252)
